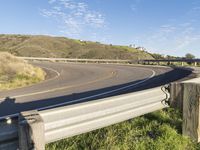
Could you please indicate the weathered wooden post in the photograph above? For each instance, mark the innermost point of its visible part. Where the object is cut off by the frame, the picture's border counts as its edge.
(176, 95)
(182, 63)
(186, 97)
(195, 64)
(31, 131)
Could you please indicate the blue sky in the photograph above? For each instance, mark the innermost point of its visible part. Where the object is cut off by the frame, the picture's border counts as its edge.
(162, 26)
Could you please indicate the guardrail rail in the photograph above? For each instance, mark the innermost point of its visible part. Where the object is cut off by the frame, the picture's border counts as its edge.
(67, 121)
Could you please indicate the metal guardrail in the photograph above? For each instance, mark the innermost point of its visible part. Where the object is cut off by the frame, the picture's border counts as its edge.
(112, 60)
(171, 60)
(67, 121)
(78, 60)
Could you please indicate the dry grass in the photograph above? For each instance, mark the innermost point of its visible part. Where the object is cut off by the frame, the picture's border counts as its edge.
(15, 72)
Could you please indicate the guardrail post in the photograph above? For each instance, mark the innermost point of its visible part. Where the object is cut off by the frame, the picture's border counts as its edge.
(31, 131)
(195, 64)
(186, 97)
(176, 96)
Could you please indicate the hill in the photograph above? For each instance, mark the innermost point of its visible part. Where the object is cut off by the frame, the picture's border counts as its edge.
(47, 46)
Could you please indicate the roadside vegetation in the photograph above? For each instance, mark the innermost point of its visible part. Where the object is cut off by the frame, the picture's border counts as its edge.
(15, 72)
(159, 130)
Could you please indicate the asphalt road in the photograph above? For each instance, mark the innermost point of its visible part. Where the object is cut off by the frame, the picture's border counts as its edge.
(73, 83)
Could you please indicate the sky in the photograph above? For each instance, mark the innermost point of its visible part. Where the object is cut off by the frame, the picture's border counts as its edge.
(168, 27)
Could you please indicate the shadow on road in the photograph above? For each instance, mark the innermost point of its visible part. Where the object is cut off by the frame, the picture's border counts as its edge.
(8, 106)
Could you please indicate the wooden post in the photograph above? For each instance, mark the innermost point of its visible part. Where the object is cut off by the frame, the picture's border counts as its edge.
(191, 111)
(186, 98)
(182, 63)
(31, 131)
(195, 64)
(176, 96)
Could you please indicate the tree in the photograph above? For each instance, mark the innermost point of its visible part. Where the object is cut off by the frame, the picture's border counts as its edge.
(157, 56)
(189, 56)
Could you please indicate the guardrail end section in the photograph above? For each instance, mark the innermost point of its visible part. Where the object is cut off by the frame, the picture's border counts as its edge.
(31, 131)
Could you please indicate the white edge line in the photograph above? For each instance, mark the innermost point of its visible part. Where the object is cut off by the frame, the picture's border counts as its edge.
(101, 94)
(53, 70)
(81, 99)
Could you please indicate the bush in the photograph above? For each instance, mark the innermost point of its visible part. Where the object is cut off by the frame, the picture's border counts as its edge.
(15, 72)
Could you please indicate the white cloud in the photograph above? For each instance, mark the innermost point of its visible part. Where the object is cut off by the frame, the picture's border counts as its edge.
(51, 1)
(74, 16)
(134, 5)
(178, 38)
(167, 28)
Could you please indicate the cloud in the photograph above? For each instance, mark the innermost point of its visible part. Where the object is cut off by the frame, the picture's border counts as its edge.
(73, 17)
(133, 7)
(178, 38)
(167, 28)
(51, 1)
(135, 4)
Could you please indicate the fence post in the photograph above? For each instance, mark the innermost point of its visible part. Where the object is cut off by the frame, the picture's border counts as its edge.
(186, 97)
(31, 131)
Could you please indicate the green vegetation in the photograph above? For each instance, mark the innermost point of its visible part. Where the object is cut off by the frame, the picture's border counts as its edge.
(189, 56)
(159, 130)
(15, 72)
(162, 57)
(46, 46)
(157, 56)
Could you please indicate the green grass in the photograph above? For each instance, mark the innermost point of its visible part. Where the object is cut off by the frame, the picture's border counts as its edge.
(47, 46)
(16, 72)
(160, 130)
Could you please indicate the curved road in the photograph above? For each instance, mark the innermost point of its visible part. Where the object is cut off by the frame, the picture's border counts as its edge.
(72, 83)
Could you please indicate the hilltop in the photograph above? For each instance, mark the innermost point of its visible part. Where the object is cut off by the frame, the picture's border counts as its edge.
(48, 46)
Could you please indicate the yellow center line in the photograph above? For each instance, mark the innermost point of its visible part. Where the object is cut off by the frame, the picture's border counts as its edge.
(112, 74)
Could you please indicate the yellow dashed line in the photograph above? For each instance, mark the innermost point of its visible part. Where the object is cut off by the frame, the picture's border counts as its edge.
(113, 73)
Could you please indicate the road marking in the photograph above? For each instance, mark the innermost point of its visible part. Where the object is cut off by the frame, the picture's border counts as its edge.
(92, 96)
(113, 73)
(58, 75)
(101, 94)
(104, 93)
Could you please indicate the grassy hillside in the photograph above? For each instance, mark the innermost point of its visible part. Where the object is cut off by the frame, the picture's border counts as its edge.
(15, 72)
(46, 46)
